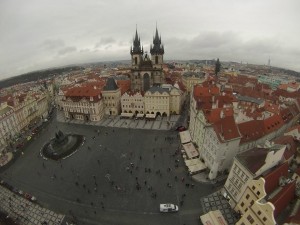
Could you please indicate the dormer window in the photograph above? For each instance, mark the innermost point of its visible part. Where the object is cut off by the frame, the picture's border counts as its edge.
(91, 98)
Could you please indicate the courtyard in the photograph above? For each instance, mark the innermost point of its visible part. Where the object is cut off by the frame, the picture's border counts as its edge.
(118, 176)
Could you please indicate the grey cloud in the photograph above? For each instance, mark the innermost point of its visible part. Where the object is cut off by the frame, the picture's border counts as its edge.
(229, 46)
(53, 44)
(105, 41)
(67, 50)
(84, 50)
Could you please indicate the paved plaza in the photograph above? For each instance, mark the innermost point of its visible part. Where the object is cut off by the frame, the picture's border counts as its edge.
(217, 201)
(118, 176)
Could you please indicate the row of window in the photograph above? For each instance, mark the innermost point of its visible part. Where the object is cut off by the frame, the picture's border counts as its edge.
(135, 106)
(109, 97)
(240, 173)
(132, 100)
(76, 104)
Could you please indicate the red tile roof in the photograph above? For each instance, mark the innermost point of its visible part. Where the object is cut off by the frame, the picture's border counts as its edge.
(226, 129)
(289, 142)
(251, 130)
(272, 178)
(272, 123)
(283, 198)
(286, 94)
(214, 115)
(76, 93)
(286, 115)
(200, 90)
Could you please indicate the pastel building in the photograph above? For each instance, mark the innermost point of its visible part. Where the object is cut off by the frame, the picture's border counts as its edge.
(248, 166)
(266, 197)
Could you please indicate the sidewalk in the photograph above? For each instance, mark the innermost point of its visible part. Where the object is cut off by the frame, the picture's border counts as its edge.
(161, 123)
(26, 212)
(203, 178)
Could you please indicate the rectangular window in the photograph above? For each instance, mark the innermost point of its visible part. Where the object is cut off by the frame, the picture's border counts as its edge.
(264, 219)
(242, 204)
(247, 196)
(259, 212)
(250, 219)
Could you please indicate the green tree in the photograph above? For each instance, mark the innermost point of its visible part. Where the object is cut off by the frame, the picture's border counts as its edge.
(217, 67)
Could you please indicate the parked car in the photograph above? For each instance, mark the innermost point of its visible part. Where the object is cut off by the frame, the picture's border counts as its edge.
(168, 207)
(180, 128)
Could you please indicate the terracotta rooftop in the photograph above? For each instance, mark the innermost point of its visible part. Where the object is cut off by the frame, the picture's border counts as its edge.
(226, 129)
(283, 198)
(82, 92)
(272, 123)
(272, 177)
(251, 130)
(291, 145)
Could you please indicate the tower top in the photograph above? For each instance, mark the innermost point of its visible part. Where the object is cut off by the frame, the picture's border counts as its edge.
(157, 48)
(136, 48)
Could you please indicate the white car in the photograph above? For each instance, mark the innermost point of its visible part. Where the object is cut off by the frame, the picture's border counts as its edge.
(168, 207)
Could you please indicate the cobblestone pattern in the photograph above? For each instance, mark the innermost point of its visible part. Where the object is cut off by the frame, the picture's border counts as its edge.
(217, 201)
(26, 212)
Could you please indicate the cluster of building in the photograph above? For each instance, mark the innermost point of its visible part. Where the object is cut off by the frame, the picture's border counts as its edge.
(249, 130)
(141, 90)
(21, 106)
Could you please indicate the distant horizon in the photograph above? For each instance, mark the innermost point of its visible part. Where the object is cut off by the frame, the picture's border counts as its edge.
(167, 60)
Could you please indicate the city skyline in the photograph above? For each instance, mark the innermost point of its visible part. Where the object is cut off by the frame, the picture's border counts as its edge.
(44, 34)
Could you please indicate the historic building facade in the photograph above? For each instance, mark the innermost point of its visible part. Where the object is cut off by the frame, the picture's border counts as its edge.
(83, 103)
(132, 103)
(146, 71)
(112, 97)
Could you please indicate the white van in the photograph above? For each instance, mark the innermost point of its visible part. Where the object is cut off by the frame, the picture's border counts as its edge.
(168, 208)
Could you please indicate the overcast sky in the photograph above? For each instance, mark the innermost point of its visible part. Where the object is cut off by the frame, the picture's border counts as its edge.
(38, 34)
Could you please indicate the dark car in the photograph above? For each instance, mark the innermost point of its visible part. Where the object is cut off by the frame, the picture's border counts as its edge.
(181, 128)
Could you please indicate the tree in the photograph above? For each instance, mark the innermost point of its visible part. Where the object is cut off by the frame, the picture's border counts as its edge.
(217, 67)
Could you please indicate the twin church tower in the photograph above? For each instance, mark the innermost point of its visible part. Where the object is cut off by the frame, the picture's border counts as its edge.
(146, 71)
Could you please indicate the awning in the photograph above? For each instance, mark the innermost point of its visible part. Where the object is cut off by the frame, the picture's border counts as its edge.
(195, 165)
(127, 114)
(213, 217)
(150, 116)
(185, 136)
(140, 115)
(190, 150)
